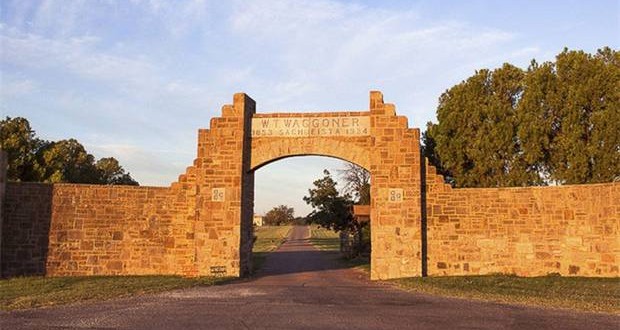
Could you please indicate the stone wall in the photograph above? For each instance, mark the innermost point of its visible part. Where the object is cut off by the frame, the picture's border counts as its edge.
(26, 223)
(70, 229)
(529, 231)
(225, 190)
(202, 224)
(394, 169)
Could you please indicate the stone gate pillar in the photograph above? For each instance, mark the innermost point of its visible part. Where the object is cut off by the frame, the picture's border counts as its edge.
(225, 188)
(395, 193)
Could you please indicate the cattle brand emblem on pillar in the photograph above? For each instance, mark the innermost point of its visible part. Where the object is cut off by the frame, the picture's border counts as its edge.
(218, 194)
(395, 195)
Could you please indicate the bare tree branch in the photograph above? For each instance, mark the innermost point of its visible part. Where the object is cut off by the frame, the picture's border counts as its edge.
(356, 182)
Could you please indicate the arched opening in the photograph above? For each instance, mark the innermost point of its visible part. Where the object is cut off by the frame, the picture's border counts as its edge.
(307, 156)
(303, 243)
(265, 151)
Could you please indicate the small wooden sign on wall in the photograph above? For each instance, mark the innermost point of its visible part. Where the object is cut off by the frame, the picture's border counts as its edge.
(218, 271)
(395, 195)
(218, 194)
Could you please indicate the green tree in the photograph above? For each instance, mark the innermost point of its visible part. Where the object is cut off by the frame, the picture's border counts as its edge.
(111, 172)
(32, 159)
(68, 161)
(21, 145)
(571, 114)
(332, 210)
(556, 122)
(429, 150)
(474, 138)
(279, 215)
(537, 121)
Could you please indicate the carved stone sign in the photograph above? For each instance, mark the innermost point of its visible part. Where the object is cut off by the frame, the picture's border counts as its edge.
(310, 126)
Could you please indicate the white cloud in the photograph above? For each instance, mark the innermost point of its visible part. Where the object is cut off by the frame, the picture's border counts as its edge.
(65, 19)
(11, 87)
(132, 78)
(91, 93)
(62, 17)
(323, 47)
(77, 56)
(273, 18)
(81, 60)
(156, 167)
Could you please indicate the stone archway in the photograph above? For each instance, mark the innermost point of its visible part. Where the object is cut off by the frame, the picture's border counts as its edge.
(242, 140)
(202, 223)
(265, 151)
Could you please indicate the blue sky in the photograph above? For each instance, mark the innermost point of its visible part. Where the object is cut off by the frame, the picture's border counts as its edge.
(136, 79)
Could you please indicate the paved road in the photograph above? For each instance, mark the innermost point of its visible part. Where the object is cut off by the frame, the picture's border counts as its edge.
(301, 288)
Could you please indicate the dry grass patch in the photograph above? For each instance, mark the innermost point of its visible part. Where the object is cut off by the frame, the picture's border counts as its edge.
(581, 293)
(324, 239)
(38, 291)
(269, 238)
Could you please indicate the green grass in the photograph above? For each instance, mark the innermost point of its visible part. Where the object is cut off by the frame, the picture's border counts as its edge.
(361, 262)
(581, 293)
(268, 238)
(324, 239)
(37, 291)
(329, 240)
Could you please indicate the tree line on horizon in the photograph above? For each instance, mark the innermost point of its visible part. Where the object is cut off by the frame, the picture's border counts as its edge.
(31, 159)
(553, 123)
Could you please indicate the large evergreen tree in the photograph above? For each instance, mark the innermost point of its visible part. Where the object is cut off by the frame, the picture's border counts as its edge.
(583, 97)
(474, 139)
(557, 122)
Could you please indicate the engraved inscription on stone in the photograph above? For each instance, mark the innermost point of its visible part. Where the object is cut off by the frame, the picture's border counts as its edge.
(218, 194)
(311, 126)
(395, 195)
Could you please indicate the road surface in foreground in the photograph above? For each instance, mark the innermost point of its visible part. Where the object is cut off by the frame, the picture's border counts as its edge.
(300, 287)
